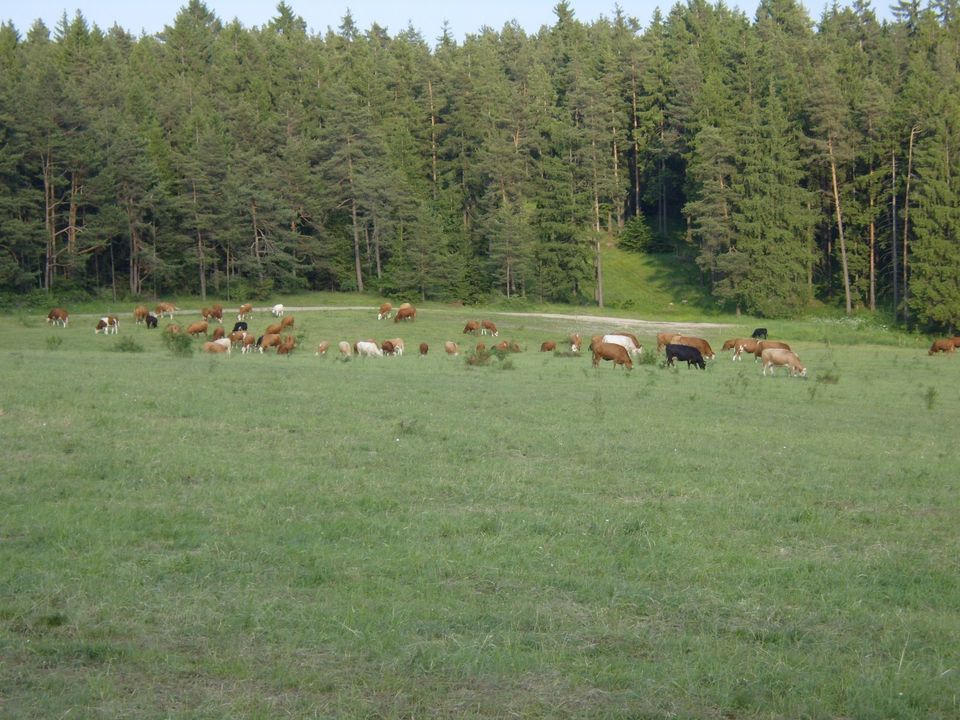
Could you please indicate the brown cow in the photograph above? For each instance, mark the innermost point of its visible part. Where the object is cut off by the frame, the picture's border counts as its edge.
(503, 346)
(215, 347)
(58, 316)
(748, 345)
(165, 308)
(213, 313)
(249, 343)
(269, 340)
(945, 346)
(245, 310)
(451, 348)
(699, 343)
(575, 342)
(218, 332)
(386, 347)
(548, 346)
(273, 329)
(322, 347)
(398, 346)
(405, 313)
(780, 357)
(197, 328)
(384, 313)
(664, 339)
(237, 338)
(424, 349)
(767, 344)
(286, 345)
(616, 353)
(472, 327)
(287, 322)
(487, 326)
(140, 313)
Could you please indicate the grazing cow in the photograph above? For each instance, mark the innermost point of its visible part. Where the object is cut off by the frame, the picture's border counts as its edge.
(273, 329)
(215, 347)
(236, 338)
(197, 328)
(286, 345)
(245, 310)
(615, 353)
(548, 346)
(628, 342)
(778, 357)
(238, 326)
(322, 347)
(945, 346)
(424, 349)
(277, 310)
(218, 332)
(366, 348)
(165, 308)
(502, 346)
(405, 313)
(287, 322)
(731, 344)
(224, 342)
(268, 340)
(344, 347)
(766, 344)
(213, 313)
(151, 321)
(472, 327)
(575, 342)
(665, 338)
(398, 346)
(759, 334)
(108, 325)
(249, 343)
(451, 348)
(691, 355)
(140, 313)
(58, 316)
(384, 312)
(487, 326)
(699, 343)
(748, 346)
(956, 341)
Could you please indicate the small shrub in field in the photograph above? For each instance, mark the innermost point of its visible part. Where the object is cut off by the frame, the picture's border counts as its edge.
(128, 344)
(180, 344)
(54, 342)
(645, 358)
(828, 378)
(479, 357)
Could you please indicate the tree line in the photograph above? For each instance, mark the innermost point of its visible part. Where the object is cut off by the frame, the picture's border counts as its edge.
(794, 162)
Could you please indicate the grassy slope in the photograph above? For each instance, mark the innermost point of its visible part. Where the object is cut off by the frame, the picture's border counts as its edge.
(260, 536)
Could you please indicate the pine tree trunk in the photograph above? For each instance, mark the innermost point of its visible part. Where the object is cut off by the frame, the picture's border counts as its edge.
(49, 222)
(843, 242)
(893, 230)
(906, 227)
(599, 273)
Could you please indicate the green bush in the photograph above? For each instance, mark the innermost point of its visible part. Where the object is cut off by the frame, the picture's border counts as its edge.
(180, 344)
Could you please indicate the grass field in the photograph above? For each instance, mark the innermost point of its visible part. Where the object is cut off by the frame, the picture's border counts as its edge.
(264, 537)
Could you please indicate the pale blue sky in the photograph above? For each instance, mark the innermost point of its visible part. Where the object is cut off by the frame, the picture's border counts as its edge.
(427, 16)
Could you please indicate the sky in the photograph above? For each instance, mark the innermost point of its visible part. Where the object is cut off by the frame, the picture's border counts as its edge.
(427, 16)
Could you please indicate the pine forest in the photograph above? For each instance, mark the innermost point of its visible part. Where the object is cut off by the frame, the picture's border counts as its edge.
(790, 160)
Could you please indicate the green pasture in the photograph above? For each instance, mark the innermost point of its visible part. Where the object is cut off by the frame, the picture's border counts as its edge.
(264, 537)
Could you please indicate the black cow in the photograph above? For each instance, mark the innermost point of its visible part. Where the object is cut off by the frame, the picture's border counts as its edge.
(759, 334)
(151, 321)
(240, 326)
(686, 353)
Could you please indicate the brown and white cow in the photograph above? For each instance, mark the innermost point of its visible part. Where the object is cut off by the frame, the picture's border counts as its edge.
(287, 344)
(245, 310)
(269, 340)
(945, 346)
(695, 342)
(472, 327)
(778, 357)
(58, 316)
(575, 342)
(197, 328)
(344, 347)
(548, 346)
(249, 343)
(487, 327)
(237, 337)
(451, 348)
(165, 308)
(396, 344)
(405, 313)
(384, 312)
(210, 314)
(140, 314)
(609, 351)
(108, 325)
(745, 345)
(215, 348)
(768, 345)
(322, 347)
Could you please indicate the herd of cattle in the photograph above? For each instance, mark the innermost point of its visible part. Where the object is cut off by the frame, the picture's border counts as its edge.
(619, 348)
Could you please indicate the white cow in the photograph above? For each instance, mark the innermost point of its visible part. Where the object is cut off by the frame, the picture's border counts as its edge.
(277, 310)
(627, 342)
(365, 347)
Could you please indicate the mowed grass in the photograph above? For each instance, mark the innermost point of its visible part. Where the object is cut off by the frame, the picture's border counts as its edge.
(262, 537)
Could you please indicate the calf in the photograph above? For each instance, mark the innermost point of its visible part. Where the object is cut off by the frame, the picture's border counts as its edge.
(615, 353)
(686, 353)
(487, 326)
(548, 346)
(778, 357)
(58, 316)
(151, 321)
(384, 312)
